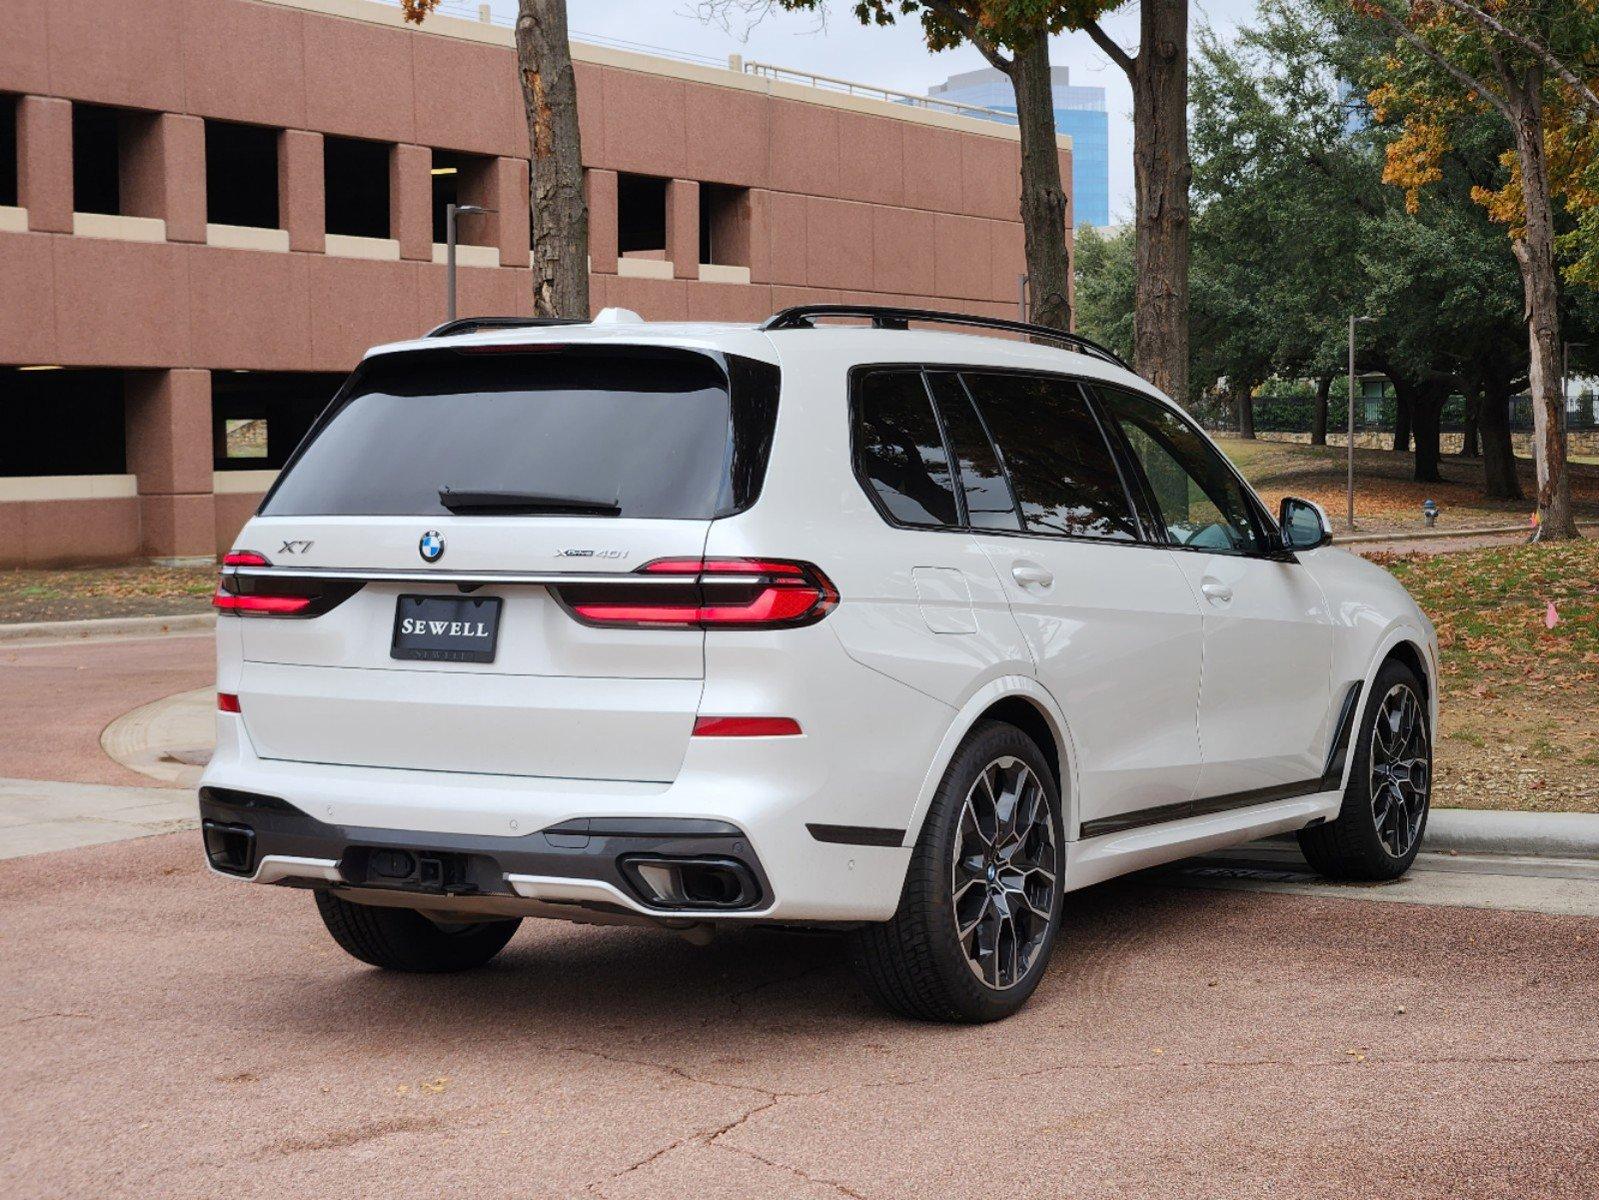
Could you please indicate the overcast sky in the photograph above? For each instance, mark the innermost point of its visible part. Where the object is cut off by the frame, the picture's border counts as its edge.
(893, 57)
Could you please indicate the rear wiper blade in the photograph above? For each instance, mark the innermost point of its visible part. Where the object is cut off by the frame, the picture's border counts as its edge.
(473, 500)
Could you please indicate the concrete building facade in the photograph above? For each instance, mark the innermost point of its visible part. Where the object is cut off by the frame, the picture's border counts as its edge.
(210, 208)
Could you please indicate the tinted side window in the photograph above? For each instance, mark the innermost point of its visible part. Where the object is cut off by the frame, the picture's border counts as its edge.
(1060, 466)
(989, 504)
(899, 450)
(1199, 499)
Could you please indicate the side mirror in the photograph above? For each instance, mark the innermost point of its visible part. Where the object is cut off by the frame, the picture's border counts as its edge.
(1304, 524)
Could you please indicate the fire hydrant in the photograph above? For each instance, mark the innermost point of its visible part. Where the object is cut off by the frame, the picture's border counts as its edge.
(1429, 512)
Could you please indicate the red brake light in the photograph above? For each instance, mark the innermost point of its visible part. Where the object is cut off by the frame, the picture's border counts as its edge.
(261, 605)
(746, 727)
(245, 558)
(716, 593)
(227, 702)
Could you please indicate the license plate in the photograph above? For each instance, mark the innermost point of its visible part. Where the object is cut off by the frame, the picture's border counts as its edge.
(446, 628)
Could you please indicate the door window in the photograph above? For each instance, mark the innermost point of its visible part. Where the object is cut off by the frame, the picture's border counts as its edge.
(1062, 471)
(899, 450)
(989, 503)
(1198, 499)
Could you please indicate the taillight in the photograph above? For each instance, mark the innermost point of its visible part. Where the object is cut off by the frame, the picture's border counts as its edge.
(707, 593)
(267, 593)
(746, 727)
(260, 605)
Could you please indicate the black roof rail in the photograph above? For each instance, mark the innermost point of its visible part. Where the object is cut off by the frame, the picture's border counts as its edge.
(890, 317)
(473, 324)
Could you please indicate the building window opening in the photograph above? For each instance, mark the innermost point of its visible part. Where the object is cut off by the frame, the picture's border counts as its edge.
(8, 150)
(98, 142)
(259, 417)
(62, 422)
(463, 179)
(641, 216)
(241, 174)
(724, 225)
(356, 180)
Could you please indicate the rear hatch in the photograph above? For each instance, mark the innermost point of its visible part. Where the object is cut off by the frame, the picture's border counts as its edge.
(439, 520)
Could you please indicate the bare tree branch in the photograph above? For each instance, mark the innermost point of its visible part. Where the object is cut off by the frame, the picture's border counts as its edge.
(1408, 35)
(1538, 49)
(1112, 51)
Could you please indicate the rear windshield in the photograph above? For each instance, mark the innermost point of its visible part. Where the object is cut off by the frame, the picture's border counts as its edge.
(664, 434)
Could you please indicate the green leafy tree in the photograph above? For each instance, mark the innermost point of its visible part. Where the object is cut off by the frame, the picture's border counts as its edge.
(1522, 62)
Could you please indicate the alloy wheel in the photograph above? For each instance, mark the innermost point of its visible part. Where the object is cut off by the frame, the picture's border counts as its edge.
(1006, 871)
(1401, 770)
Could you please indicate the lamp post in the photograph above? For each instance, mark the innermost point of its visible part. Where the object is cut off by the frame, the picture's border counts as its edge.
(1353, 321)
(451, 212)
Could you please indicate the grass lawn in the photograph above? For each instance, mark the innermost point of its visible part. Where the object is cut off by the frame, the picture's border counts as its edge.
(131, 591)
(1386, 498)
(1519, 702)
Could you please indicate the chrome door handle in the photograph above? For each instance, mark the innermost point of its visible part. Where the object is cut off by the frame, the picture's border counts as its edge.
(1219, 593)
(1031, 575)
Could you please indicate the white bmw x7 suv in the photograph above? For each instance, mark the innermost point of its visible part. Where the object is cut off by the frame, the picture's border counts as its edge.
(901, 632)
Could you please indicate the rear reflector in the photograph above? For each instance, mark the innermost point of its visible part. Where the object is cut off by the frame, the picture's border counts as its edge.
(227, 702)
(259, 604)
(714, 593)
(746, 727)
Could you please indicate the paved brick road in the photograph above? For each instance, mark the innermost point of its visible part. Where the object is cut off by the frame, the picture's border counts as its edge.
(170, 1034)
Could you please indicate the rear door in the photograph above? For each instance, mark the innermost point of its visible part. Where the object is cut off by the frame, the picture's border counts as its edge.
(453, 644)
(1266, 705)
(1110, 620)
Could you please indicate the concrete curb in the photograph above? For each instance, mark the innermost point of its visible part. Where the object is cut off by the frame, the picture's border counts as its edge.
(106, 628)
(1426, 535)
(1530, 834)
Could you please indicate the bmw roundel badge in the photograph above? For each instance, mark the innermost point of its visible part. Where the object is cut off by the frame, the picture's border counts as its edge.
(431, 547)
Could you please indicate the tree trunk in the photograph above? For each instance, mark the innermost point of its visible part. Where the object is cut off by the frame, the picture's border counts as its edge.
(1244, 408)
(1499, 477)
(1161, 173)
(1318, 421)
(1043, 197)
(560, 211)
(1426, 413)
(1470, 434)
(1534, 251)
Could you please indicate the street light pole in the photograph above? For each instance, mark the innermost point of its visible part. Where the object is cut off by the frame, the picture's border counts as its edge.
(1353, 321)
(451, 212)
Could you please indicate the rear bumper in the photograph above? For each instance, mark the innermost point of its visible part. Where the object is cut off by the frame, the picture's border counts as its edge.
(587, 863)
(737, 801)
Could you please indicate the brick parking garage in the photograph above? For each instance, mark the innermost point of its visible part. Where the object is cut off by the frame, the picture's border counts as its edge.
(208, 211)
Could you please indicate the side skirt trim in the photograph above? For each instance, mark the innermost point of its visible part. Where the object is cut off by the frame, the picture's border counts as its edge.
(857, 835)
(1121, 822)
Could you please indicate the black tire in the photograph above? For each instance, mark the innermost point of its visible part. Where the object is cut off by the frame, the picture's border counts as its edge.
(1363, 843)
(401, 939)
(916, 964)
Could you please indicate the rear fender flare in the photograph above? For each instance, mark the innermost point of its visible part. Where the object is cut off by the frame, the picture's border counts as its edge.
(968, 715)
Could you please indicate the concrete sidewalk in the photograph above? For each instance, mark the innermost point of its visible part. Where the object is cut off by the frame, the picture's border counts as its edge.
(37, 817)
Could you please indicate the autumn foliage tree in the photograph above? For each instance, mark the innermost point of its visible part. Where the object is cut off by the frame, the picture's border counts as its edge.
(560, 212)
(1526, 62)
